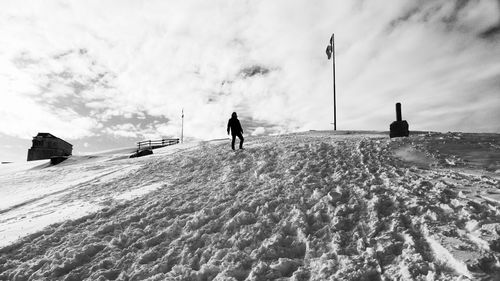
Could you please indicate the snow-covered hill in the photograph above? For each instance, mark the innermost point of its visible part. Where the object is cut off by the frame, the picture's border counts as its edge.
(309, 206)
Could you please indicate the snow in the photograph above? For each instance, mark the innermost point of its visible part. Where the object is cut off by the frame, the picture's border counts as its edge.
(308, 206)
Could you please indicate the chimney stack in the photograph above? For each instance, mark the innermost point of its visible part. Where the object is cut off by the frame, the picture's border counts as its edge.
(398, 112)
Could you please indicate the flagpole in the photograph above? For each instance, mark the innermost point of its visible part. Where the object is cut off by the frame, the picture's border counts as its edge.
(182, 127)
(334, 93)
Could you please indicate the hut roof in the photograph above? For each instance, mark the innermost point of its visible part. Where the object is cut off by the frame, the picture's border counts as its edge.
(51, 136)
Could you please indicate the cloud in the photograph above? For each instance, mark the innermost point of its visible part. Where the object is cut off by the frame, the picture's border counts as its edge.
(29, 117)
(254, 70)
(259, 131)
(102, 65)
(122, 130)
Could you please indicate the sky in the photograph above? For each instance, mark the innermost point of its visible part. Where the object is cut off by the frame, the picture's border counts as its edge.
(106, 74)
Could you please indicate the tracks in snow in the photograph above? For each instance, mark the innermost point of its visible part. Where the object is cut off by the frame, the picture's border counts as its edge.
(302, 207)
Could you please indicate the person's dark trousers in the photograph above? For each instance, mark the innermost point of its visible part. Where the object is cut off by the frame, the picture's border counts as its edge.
(234, 139)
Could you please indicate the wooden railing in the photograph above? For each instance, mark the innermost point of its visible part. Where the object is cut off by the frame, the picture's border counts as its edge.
(156, 143)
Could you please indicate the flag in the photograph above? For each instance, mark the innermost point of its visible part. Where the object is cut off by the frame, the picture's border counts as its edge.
(329, 51)
(329, 48)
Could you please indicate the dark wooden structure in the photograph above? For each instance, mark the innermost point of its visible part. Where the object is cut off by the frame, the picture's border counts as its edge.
(46, 146)
(140, 153)
(54, 160)
(152, 144)
(146, 147)
(399, 128)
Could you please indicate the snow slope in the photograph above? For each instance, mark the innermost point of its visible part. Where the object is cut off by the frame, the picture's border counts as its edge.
(309, 206)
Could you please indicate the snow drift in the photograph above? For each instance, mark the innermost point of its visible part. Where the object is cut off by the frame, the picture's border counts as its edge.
(310, 206)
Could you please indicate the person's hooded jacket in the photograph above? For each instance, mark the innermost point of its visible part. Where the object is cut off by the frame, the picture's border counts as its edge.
(234, 125)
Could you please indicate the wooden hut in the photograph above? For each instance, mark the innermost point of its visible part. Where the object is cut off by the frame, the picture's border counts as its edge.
(46, 145)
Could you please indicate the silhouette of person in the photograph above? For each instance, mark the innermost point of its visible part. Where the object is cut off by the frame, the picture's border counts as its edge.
(236, 130)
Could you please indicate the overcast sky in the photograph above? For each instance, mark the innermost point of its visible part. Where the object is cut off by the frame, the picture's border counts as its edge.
(105, 74)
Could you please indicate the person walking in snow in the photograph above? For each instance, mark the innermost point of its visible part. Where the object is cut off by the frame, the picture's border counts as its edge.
(236, 130)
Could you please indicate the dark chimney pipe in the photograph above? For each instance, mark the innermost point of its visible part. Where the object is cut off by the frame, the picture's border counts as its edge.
(398, 112)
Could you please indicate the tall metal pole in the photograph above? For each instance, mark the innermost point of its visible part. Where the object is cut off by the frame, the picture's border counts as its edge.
(334, 93)
(182, 127)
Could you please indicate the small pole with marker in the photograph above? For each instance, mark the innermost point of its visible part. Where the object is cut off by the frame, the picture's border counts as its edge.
(182, 127)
